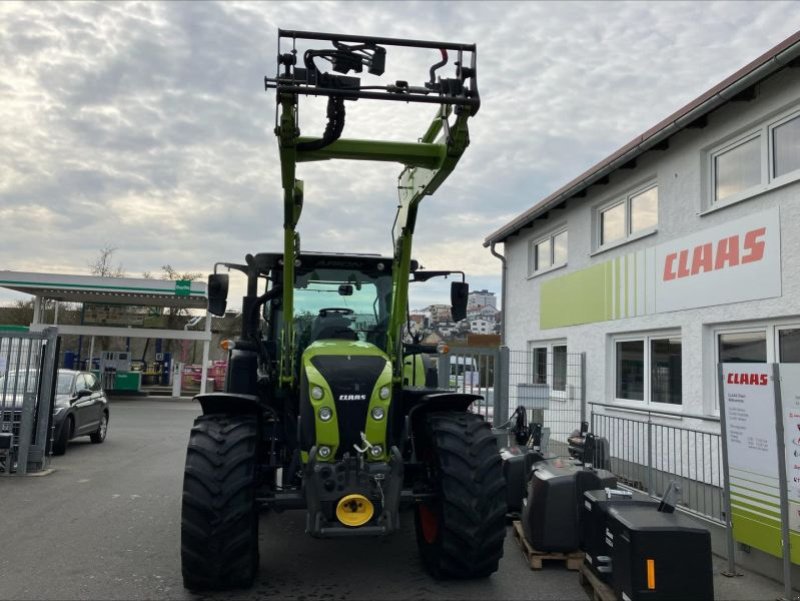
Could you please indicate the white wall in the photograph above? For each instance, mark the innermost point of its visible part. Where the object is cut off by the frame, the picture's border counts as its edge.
(681, 174)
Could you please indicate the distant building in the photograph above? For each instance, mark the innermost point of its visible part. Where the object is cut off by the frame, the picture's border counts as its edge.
(481, 298)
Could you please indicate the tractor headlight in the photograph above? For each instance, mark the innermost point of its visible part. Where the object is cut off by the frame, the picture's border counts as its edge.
(376, 450)
(378, 413)
(324, 452)
(385, 392)
(325, 414)
(317, 393)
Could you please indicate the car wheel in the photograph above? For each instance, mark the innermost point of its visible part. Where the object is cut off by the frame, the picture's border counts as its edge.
(100, 434)
(67, 428)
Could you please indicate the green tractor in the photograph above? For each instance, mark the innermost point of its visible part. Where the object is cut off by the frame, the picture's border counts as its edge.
(329, 405)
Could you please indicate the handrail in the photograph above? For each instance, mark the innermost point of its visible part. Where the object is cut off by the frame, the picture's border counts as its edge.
(707, 418)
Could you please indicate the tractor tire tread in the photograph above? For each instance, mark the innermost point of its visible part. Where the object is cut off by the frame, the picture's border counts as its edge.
(219, 521)
(473, 507)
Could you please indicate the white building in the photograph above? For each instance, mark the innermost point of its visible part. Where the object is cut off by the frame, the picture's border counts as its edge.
(678, 251)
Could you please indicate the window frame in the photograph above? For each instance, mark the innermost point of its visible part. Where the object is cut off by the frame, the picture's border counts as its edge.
(549, 380)
(532, 255)
(764, 130)
(646, 403)
(626, 199)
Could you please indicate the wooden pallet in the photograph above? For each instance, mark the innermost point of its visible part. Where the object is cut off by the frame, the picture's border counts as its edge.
(535, 558)
(597, 589)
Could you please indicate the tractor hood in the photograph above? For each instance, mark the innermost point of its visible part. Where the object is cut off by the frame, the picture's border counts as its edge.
(349, 383)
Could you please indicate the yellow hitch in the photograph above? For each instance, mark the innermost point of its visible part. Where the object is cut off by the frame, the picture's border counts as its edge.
(354, 510)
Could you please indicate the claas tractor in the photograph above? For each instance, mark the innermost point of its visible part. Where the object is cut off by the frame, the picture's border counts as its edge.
(329, 405)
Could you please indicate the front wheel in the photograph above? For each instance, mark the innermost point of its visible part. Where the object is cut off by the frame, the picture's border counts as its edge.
(219, 521)
(461, 529)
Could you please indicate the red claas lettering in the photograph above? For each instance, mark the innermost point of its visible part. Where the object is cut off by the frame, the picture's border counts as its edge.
(727, 252)
(748, 379)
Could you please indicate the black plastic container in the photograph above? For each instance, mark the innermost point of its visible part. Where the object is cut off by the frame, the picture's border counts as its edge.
(551, 516)
(517, 464)
(595, 524)
(658, 556)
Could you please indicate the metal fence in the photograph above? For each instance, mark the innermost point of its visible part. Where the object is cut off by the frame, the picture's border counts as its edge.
(548, 383)
(481, 371)
(647, 454)
(28, 364)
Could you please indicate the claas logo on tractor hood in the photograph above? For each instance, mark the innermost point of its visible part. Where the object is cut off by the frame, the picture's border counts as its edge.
(352, 397)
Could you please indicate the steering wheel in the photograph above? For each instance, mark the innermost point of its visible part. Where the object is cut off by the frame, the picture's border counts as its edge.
(335, 311)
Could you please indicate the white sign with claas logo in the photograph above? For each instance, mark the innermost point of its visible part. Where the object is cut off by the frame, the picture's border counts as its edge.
(734, 262)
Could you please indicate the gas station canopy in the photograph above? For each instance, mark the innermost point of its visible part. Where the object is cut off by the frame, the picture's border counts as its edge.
(183, 294)
(91, 289)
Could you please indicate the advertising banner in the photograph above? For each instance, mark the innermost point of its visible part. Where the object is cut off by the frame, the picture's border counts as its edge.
(748, 395)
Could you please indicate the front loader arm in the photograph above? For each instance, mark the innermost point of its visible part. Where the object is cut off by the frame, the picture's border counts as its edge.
(426, 162)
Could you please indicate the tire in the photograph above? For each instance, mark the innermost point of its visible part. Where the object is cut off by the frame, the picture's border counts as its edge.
(461, 530)
(219, 521)
(60, 444)
(100, 434)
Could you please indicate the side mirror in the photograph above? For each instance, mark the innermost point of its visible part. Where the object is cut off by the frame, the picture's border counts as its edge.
(217, 293)
(84, 392)
(459, 291)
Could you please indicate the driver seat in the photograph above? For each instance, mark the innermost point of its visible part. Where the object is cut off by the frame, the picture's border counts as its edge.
(332, 327)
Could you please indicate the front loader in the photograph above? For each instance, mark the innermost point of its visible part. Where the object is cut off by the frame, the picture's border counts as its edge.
(330, 406)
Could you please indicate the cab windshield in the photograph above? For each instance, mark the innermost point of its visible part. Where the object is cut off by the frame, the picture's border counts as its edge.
(341, 304)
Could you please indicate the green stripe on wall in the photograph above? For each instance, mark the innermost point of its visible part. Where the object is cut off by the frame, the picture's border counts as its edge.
(575, 298)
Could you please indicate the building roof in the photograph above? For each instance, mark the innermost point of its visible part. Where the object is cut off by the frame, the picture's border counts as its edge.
(121, 291)
(691, 115)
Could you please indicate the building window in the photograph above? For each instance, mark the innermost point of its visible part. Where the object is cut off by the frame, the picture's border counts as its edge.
(789, 345)
(549, 252)
(767, 156)
(540, 365)
(786, 147)
(743, 347)
(612, 224)
(560, 367)
(550, 366)
(630, 370)
(648, 369)
(737, 169)
(630, 217)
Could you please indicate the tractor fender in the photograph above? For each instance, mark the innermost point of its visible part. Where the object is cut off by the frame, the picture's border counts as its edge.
(229, 403)
(434, 402)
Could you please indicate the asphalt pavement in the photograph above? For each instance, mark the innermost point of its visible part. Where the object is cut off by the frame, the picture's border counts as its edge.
(105, 524)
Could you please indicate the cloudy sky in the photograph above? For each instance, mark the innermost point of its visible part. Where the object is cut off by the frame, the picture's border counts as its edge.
(145, 126)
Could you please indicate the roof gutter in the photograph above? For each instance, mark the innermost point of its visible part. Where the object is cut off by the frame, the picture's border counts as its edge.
(716, 97)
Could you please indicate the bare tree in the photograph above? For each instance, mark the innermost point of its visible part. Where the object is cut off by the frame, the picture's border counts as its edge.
(103, 266)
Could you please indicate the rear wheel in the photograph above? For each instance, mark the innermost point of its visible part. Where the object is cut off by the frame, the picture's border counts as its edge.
(60, 444)
(219, 522)
(460, 531)
(99, 435)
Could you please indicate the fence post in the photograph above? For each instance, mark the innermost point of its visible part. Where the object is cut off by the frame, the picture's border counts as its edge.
(583, 389)
(649, 454)
(501, 385)
(443, 370)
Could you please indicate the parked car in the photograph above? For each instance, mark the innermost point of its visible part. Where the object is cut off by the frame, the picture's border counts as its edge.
(80, 408)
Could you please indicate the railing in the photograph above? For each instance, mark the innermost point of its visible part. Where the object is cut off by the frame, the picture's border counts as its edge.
(647, 453)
